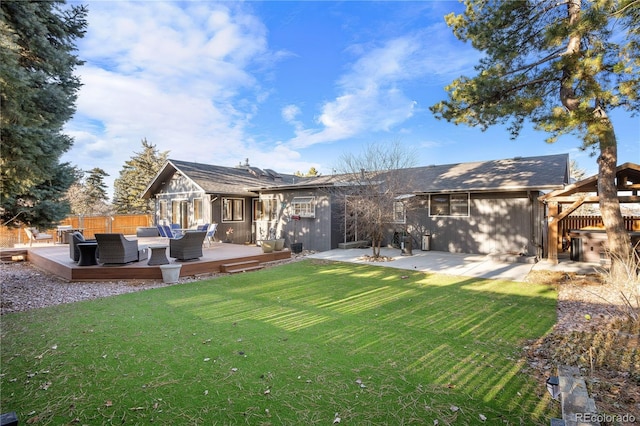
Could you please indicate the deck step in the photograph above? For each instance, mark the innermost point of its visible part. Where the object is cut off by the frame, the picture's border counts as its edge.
(13, 255)
(233, 268)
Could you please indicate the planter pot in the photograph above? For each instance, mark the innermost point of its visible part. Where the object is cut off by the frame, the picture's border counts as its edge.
(170, 273)
(268, 245)
(279, 244)
(296, 248)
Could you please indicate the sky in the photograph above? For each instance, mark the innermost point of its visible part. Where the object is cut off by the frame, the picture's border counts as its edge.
(288, 85)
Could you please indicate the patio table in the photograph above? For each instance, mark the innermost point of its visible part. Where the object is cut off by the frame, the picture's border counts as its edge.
(158, 254)
(87, 254)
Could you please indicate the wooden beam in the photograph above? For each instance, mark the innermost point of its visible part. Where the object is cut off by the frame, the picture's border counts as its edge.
(552, 232)
(566, 212)
(592, 199)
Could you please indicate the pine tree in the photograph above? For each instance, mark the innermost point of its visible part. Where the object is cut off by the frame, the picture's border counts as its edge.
(88, 196)
(562, 66)
(38, 96)
(135, 176)
(96, 190)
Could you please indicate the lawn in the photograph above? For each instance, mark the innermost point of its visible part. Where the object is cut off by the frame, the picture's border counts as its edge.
(295, 344)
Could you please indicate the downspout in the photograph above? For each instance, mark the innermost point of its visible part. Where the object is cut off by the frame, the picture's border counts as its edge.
(532, 221)
(345, 220)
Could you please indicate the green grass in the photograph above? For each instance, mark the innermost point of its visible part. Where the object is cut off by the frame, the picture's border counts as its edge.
(285, 346)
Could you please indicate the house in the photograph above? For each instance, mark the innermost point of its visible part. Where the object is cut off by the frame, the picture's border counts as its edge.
(479, 207)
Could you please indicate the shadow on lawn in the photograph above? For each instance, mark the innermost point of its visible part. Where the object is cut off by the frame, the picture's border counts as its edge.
(447, 333)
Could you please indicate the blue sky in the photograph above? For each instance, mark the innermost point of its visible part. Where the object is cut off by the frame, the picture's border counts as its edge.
(287, 84)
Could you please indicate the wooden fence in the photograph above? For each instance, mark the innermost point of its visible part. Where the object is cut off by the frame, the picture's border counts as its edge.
(631, 223)
(90, 225)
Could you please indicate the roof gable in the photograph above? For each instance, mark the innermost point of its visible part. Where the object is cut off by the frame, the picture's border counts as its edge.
(213, 179)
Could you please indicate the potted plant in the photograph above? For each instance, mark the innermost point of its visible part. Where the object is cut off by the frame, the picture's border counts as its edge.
(229, 233)
(269, 244)
(279, 243)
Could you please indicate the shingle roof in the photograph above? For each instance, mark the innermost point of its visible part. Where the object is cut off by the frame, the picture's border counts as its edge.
(218, 179)
(521, 173)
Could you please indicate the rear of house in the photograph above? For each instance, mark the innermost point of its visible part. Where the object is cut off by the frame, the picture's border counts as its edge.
(482, 207)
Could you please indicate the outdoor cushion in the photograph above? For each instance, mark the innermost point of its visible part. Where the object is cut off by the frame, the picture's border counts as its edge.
(34, 235)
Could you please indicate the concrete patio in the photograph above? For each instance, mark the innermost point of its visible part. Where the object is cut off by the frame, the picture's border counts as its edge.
(471, 265)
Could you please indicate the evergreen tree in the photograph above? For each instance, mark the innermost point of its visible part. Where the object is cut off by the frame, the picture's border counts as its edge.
(96, 190)
(562, 66)
(88, 196)
(135, 176)
(38, 94)
(312, 172)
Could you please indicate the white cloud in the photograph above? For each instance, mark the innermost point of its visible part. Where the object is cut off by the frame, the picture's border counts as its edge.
(290, 112)
(178, 74)
(373, 93)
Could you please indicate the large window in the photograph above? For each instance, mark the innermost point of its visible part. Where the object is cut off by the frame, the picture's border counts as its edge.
(197, 209)
(449, 205)
(265, 209)
(399, 212)
(232, 209)
(303, 207)
(163, 210)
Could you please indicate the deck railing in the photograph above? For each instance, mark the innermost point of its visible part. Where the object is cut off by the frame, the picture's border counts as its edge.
(631, 223)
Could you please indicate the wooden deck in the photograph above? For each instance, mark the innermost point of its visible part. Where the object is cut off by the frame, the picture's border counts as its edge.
(55, 259)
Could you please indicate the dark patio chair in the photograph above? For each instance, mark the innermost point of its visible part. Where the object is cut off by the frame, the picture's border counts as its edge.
(75, 238)
(116, 249)
(161, 231)
(187, 247)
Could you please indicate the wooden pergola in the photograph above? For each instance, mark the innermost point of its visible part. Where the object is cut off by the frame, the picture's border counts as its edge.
(562, 202)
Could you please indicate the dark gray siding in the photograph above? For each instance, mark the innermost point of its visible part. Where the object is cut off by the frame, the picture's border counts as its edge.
(313, 233)
(497, 223)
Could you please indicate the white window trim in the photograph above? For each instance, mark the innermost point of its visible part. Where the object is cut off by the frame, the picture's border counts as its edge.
(244, 210)
(304, 201)
(270, 215)
(404, 212)
(201, 218)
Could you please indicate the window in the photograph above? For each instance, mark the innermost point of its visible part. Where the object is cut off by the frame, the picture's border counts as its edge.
(163, 209)
(459, 204)
(180, 213)
(449, 205)
(197, 209)
(399, 212)
(266, 209)
(303, 207)
(232, 209)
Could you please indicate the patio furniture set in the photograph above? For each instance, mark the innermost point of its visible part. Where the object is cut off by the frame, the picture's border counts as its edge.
(116, 249)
